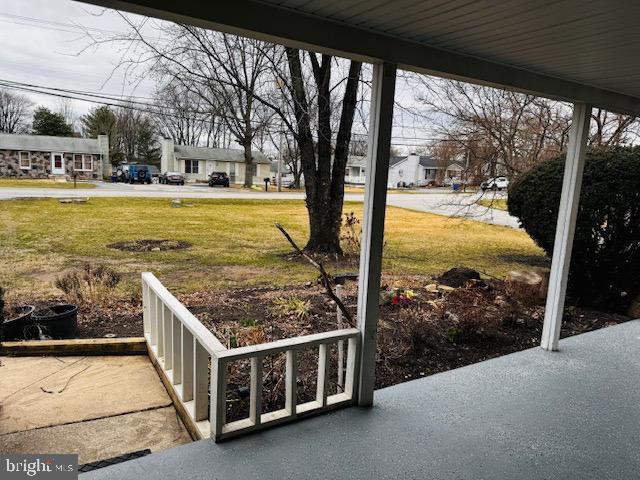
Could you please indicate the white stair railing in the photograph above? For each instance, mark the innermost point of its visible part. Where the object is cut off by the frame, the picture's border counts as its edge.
(196, 365)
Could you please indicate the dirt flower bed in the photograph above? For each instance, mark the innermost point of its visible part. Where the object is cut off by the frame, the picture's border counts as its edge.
(150, 245)
(424, 329)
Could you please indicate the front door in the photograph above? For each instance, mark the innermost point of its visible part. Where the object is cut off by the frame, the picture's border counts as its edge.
(209, 168)
(57, 164)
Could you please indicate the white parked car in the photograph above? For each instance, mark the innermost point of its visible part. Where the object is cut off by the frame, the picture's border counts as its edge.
(497, 183)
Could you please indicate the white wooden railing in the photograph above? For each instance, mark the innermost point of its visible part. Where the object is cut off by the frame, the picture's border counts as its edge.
(185, 349)
(355, 179)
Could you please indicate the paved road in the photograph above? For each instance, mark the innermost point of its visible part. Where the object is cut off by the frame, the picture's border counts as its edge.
(441, 202)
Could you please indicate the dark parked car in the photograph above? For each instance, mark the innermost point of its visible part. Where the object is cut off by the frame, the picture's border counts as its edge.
(139, 174)
(218, 178)
(172, 178)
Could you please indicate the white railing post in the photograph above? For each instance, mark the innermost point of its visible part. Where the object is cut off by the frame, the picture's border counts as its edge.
(375, 195)
(352, 363)
(323, 378)
(291, 382)
(187, 365)
(255, 390)
(200, 382)
(218, 396)
(565, 226)
(153, 318)
(160, 326)
(146, 324)
(176, 348)
(167, 327)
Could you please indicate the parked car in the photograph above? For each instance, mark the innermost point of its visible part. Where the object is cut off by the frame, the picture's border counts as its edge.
(155, 172)
(286, 181)
(172, 178)
(122, 172)
(139, 174)
(496, 183)
(218, 178)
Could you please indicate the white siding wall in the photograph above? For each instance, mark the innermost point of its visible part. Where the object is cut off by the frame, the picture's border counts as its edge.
(406, 171)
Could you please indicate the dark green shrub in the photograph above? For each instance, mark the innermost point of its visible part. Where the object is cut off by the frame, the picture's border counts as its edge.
(605, 264)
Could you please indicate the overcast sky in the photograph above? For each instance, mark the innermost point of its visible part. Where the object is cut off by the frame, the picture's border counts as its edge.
(43, 41)
(41, 44)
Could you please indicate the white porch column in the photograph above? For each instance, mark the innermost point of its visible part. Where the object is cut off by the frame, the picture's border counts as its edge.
(566, 225)
(375, 197)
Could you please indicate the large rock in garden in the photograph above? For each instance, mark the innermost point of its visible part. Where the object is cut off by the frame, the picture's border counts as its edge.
(527, 283)
(634, 308)
(458, 276)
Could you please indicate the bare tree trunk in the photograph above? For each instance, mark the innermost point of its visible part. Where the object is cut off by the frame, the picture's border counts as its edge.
(248, 161)
(324, 183)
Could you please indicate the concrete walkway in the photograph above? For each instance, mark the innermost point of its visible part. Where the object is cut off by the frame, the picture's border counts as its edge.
(97, 407)
(570, 415)
(438, 201)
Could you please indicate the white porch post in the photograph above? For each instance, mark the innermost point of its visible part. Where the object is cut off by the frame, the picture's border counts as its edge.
(375, 197)
(566, 225)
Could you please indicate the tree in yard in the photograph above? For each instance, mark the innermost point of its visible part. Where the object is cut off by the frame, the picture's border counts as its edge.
(323, 162)
(101, 121)
(46, 122)
(14, 112)
(184, 117)
(135, 140)
(227, 73)
(249, 82)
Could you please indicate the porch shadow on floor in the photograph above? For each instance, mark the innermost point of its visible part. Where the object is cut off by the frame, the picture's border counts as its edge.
(572, 414)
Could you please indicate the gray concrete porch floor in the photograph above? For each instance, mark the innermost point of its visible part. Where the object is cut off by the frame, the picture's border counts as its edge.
(572, 414)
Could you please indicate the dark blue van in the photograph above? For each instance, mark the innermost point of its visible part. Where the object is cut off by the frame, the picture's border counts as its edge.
(139, 174)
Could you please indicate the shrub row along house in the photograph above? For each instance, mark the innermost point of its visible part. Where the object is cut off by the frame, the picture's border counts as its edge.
(41, 156)
(197, 163)
(409, 171)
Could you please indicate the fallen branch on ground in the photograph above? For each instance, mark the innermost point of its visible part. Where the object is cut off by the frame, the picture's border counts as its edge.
(324, 276)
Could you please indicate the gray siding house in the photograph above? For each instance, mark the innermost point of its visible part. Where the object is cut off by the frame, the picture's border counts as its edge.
(41, 156)
(197, 163)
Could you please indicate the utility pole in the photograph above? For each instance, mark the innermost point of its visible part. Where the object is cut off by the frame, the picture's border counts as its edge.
(279, 179)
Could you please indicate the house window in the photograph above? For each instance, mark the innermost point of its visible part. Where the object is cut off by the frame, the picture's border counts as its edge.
(232, 169)
(191, 166)
(400, 173)
(82, 162)
(25, 160)
(254, 170)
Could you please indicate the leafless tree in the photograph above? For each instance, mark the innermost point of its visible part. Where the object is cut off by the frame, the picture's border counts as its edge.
(15, 112)
(66, 108)
(612, 129)
(227, 73)
(251, 85)
(179, 116)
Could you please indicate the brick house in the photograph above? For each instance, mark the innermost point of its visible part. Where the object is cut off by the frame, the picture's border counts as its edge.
(41, 156)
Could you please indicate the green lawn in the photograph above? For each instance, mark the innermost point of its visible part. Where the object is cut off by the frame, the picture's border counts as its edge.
(497, 203)
(235, 242)
(41, 183)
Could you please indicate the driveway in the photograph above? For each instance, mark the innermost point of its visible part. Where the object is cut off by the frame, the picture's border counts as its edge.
(441, 202)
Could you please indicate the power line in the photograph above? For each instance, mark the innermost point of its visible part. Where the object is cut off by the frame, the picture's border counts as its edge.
(159, 109)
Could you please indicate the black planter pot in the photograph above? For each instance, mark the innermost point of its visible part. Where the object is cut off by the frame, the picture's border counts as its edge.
(14, 327)
(58, 321)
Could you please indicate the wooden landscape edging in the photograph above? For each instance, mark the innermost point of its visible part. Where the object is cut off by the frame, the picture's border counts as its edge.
(76, 346)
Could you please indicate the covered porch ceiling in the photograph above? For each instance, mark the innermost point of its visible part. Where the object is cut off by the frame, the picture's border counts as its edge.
(572, 50)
